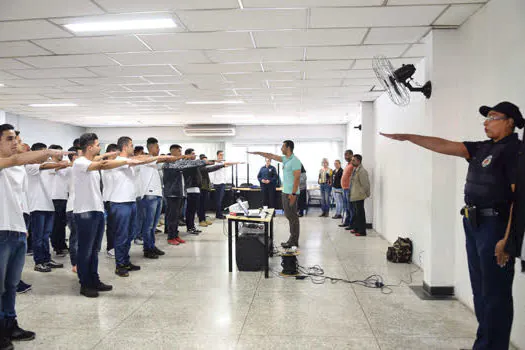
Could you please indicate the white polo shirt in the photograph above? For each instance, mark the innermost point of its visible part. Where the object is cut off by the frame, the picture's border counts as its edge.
(71, 193)
(61, 183)
(107, 184)
(86, 187)
(11, 213)
(150, 178)
(40, 183)
(124, 184)
(219, 177)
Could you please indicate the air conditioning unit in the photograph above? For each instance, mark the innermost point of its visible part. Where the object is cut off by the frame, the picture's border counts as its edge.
(209, 130)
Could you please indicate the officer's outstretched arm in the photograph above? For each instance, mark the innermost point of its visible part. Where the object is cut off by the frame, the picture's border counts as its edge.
(434, 144)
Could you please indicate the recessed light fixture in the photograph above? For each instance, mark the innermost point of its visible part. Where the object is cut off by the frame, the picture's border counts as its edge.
(223, 102)
(2, 85)
(53, 105)
(110, 26)
(232, 116)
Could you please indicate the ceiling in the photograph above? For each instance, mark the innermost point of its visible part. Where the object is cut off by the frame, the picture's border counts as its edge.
(287, 61)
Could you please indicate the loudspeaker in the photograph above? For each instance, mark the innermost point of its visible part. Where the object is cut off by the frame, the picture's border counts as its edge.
(249, 251)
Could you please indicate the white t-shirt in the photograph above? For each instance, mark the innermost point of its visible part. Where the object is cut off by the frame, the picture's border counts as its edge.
(151, 182)
(11, 213)
(25, 204)
(86, 187)
(40, 184)
(107, 184)
(219, 177)
(124, 188)
(61, 183)
(71, 192)
(139, 186)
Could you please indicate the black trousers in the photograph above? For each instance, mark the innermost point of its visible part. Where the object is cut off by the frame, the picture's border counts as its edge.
(192, 202)
(203, 203)
(359, 218)
(173, 211)
(110, 230)
(58, 236)
(268, 192)
(302, 204)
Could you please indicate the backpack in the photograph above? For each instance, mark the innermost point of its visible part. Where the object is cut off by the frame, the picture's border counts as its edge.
(401, 251)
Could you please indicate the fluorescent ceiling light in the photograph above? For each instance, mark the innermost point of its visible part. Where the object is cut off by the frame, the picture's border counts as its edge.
(2, 85)
(53, 105)
(223, 102)
(232, 116)
(122, 25)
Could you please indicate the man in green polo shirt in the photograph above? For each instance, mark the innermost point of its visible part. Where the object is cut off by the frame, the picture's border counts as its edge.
(291, 177)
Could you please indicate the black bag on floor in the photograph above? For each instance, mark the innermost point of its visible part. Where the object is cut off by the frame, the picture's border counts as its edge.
(401, 251)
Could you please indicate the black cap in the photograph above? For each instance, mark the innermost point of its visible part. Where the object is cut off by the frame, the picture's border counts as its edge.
(507, 108)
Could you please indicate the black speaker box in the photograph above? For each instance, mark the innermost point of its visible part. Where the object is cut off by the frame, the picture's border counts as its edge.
(249, 251)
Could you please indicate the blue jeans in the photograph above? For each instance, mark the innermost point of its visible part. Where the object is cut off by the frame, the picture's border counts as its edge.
(325, 197)
(349, 210)
(58, 237)
(491, 284)
(90, 230)
(41, 229)
(73, 238)
(339, 200)
(123, 217)
(139, 220)
(13, 247)
(151, 207)
(219, 196)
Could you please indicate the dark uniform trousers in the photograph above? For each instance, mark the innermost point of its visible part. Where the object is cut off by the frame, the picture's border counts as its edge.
(491, 284)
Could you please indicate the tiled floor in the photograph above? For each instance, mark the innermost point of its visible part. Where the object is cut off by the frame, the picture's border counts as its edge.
(188, 300)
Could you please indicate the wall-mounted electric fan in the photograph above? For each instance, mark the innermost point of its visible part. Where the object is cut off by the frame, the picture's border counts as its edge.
(397, 82)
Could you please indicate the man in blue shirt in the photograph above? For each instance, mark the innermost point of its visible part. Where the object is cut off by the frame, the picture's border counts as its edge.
(268, 179)
(291, 179)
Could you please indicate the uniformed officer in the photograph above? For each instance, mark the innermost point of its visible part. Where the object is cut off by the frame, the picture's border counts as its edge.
(489, 198)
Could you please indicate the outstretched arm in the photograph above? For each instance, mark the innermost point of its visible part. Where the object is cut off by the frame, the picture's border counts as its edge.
(434, 144)
(30, 157)
(112, 164)
(57, 166)
(268, 155)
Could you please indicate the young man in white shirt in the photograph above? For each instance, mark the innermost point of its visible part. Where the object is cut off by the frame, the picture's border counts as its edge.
(42, 209)
(70, 218)
(123, 206)
(59, 195)
(88, 210)
(13, 233)
(107, 185)
(219, 183)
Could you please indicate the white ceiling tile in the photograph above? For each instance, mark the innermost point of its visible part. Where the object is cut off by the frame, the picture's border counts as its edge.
(263, 76)
(37, 82)
(69, 61)
(197, 41)
(417, 50)
(131, 94)
(29, 30)
(456, 15)
(118, 6)
(27, 9)
(87, 45)
(5, 76)
(157, 87)
(197, 21)
(9, 63)
(95, 88)
(309, 3)
(109, 81)
(374, 16)
(361, 73)
(360, 81)
(218, 68)
(28, 90)
(52, 73)
(76, 95)
(20, 48)
(326, 74)
(354, 52)
(164, 79)
(170, 57)
(313, 37)
(398, 35)
(308, 65)
(133, 71)
(22, 98)
(306, 83)
(425, 2)
(256, 55)
(396, 62)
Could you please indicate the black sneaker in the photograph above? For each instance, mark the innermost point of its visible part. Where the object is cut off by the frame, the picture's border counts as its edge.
(61, 253)
(102, 287)
(89, 292)
(42, 268)
(194, 231)
(54, 265)
(18, 334)
(287, 245)
(22, 287)
(182, 223)
(5, 342)
(158, 251)
(131, 267)
(29, 252)
(343, 225)
(121, 271)
(150, 254)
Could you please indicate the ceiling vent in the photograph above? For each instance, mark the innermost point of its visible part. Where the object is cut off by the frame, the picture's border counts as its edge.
(209, 130)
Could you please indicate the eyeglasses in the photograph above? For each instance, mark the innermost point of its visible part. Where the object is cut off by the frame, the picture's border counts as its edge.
(489, 119)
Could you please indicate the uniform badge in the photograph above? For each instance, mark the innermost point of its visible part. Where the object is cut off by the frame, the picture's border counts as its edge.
(486, 162)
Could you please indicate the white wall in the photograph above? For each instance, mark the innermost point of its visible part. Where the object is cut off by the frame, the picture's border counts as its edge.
(39, 130)
(481, 64)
